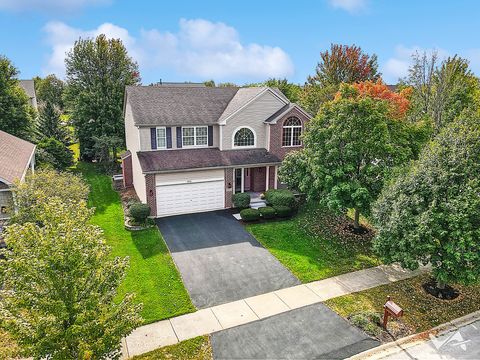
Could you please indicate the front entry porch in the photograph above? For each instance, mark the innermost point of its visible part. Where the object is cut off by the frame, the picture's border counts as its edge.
(255, 179)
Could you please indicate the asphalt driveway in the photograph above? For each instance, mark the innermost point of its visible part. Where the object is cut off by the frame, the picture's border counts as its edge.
(219, 260)
(311, 332)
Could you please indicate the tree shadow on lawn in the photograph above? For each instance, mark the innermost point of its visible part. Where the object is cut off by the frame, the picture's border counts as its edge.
(149, 242)
(310, 249)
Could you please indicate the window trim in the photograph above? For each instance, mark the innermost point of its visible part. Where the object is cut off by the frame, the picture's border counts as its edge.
(247, 146)
(195, 145)
(292, 127)
(165, 137)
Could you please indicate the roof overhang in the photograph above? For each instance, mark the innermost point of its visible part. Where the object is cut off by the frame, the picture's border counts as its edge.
(293, 106)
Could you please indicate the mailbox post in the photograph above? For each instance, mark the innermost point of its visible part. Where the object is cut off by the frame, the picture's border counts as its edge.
(391, 309)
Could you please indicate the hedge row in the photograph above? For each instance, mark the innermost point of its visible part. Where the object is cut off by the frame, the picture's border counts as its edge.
(267, 212)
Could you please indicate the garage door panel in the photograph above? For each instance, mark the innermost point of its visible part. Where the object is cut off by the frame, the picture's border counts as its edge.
(190, 197)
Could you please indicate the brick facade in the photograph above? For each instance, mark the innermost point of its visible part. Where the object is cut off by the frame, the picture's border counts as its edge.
(276, 132)
(258, 179)
(151, 193)
(229, 184)
(271, 178)
(127, 171)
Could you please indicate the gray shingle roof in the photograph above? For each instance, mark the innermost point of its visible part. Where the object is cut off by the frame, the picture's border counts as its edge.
(178, 105)
(15, 154)
(171, 160)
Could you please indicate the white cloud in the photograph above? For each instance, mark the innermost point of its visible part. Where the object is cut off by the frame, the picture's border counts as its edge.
(352, 6)
(200, 48)
(48, 5)
(397, 66)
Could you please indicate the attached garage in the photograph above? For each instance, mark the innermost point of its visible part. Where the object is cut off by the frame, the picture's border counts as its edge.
(189, 192)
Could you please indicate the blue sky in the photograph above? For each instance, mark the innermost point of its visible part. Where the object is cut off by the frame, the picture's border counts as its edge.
(238, 41)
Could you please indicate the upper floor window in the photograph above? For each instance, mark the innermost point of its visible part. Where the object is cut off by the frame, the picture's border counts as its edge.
(244, 137)
(194, 136)
(161, 138)
(292, 130)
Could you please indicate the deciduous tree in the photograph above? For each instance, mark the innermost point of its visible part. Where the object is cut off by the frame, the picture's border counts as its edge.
(16, 115)
(340, 64)
(430, 214)
(350, 147)
(45, 184)
(59, 285)
(97, 72)
(441, 90)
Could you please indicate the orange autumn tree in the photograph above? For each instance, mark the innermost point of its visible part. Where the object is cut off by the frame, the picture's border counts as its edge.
(399, 101)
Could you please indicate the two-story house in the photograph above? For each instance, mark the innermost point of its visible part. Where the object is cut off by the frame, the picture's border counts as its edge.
(191, 148)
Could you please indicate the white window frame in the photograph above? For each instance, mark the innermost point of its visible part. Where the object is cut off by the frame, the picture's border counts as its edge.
(292, 127)
(248, 146)
(194, 136)
(165, 137)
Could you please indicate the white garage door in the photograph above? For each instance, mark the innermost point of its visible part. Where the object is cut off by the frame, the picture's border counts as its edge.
(183, 194)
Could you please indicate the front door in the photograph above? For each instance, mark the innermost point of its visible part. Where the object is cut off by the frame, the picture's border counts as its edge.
(246, 184)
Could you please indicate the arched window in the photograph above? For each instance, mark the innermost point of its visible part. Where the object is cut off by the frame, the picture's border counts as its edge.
(244, 137)
(292, 130)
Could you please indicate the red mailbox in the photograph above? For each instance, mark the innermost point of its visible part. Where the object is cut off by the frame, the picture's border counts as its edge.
(391, 309)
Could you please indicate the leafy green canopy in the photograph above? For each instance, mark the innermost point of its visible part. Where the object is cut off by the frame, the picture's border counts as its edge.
(59, 284)
(430, 214)
(97, 72)
(42, 186)
(350, 148)
(16, 115)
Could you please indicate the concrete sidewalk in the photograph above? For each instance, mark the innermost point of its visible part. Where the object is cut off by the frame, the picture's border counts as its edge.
(206, 321)
(456, 339)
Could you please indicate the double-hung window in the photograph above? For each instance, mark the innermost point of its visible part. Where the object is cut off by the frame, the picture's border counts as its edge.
(194, 136)
(161, 137)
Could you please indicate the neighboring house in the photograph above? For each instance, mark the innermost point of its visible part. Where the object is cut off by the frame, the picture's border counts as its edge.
(191, 148)
(29, 87)
(17, 156)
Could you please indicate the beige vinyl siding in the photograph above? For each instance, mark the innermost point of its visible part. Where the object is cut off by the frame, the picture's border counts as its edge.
(132, 142)
(146, 143)
(252, 116)
(189, 176)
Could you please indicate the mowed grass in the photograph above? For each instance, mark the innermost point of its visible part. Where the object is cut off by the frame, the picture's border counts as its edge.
(310, 254)
(198, 348)
(422, 311)
(152, 275)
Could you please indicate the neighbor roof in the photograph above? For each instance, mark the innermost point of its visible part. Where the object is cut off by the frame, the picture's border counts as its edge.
(184, 159)
(177, 105)
(15, 155)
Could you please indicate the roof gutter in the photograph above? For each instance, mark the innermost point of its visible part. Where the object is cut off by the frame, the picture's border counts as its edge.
(212, 168)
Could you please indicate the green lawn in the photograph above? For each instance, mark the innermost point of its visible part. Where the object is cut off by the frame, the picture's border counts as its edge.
(152, 275)
(422, 311)
(198, 348)
(311, 252)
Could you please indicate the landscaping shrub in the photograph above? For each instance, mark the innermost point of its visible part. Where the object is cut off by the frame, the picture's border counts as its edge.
(283, 211)
(250, 214)
(280, 197)
(139, 212)
(241, 200)
(368, 321)
(267, 212)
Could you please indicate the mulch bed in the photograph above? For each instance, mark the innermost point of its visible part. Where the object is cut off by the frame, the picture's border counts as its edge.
(328, 224)
(447, 293)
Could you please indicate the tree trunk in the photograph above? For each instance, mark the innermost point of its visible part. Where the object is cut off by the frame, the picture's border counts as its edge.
(356, 221)
(440, 285)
